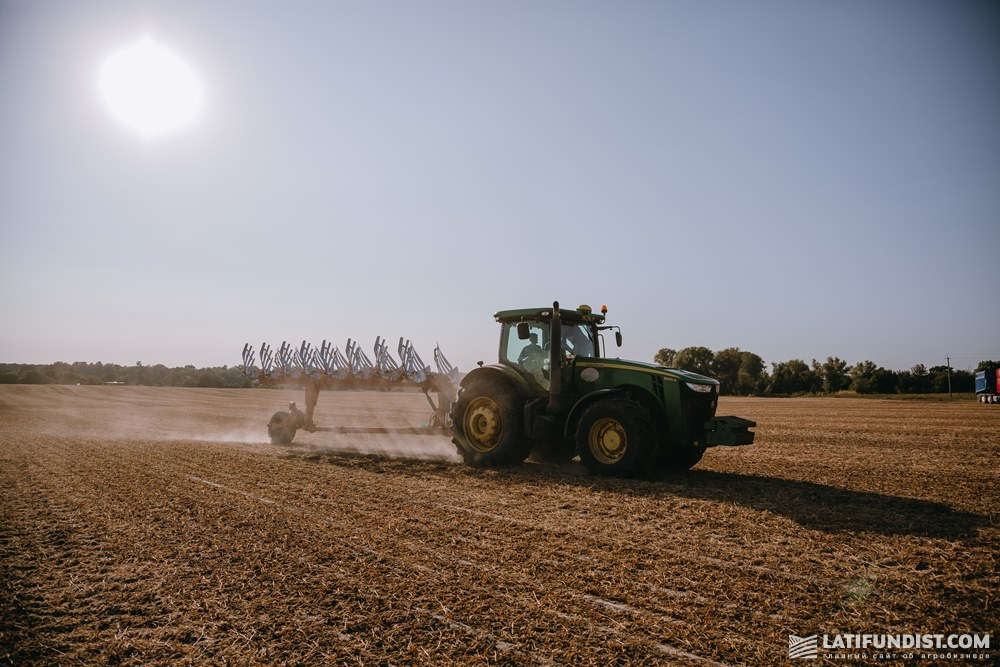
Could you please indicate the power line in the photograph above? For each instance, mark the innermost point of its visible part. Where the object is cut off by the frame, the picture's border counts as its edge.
(948, 360)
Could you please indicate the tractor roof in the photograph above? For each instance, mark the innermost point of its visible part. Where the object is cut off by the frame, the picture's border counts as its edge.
(582, 314)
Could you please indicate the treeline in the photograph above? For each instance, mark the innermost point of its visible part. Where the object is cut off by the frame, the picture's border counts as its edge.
(743, 373)
(159, 375)
(740, 372)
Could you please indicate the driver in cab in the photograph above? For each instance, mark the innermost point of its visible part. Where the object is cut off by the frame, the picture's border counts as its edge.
(531, 354)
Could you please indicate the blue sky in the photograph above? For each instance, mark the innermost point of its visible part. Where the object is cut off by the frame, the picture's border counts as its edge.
(798, 179)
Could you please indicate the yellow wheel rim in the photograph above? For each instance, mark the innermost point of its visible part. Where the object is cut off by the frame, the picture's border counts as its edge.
(608, 440)
(482, 424)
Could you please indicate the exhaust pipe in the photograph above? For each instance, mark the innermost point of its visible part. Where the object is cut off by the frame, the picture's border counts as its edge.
(556, 399)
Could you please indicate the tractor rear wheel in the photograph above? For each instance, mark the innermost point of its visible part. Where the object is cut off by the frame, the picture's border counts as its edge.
(281, 428)
(487, 424)
(615, 437)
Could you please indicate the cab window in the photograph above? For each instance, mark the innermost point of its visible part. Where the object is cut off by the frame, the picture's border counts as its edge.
(529, 355)
(577, 341)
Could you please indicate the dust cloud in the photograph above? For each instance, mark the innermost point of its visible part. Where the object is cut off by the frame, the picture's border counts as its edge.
(394, 446)
(232, 416)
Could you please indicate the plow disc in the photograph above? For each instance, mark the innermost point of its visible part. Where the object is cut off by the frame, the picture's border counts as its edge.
(328, 367)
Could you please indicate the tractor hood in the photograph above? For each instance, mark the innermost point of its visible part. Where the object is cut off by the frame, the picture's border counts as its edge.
(642, 367)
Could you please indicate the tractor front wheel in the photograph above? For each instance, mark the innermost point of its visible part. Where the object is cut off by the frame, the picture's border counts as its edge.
(615, 437)
(487, 424)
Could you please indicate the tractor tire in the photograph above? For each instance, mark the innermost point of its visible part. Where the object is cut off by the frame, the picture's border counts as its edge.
(616, 437)
(678, 460)
(281, 428)
(488, 424)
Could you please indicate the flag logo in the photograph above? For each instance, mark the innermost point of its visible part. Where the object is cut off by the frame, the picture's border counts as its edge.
(803, 647)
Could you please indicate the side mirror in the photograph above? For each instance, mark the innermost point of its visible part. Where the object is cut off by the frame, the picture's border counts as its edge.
(618, 338)
(523, 330)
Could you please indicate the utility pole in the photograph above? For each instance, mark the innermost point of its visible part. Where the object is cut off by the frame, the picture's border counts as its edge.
(948, 359)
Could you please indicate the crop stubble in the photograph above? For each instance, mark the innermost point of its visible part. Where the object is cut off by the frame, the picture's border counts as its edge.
(146, 526)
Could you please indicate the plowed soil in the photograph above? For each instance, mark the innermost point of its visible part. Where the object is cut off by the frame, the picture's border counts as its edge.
(146, 526)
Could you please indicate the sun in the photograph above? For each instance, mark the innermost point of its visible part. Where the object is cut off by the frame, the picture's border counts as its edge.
(150, 89)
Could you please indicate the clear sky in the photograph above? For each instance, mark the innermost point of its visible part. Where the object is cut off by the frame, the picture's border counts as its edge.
(800, 179)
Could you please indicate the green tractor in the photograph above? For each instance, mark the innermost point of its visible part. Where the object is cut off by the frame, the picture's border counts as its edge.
(554, 394)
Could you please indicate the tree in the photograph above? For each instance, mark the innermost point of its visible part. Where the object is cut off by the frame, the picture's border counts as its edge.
(208, 379)
(791, 377)
(886, 381)
(868, 378)
(726, 368)
(862, 377)
(158, 375)
(32, 376)
(752, 378)
(834, 375)
(738, 371)
(963, 381)
(695, 359)
(938, 377)
(665, 357)
(80, 372)
(916, 381)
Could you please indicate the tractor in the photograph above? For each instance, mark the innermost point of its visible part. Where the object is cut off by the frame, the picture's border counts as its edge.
(553, 394)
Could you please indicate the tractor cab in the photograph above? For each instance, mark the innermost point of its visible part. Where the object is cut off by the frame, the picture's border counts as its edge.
(527, 339)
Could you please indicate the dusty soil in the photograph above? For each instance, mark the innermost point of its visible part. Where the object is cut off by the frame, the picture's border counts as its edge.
(148, 526)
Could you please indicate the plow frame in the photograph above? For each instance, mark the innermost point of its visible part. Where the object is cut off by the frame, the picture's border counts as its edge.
(326, 367)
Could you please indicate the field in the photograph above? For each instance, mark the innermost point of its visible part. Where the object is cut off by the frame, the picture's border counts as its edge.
(146, 526)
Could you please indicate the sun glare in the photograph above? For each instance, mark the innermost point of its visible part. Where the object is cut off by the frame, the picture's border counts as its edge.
(150, 89)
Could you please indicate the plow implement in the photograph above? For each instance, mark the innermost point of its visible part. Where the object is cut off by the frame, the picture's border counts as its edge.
(327, 367)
